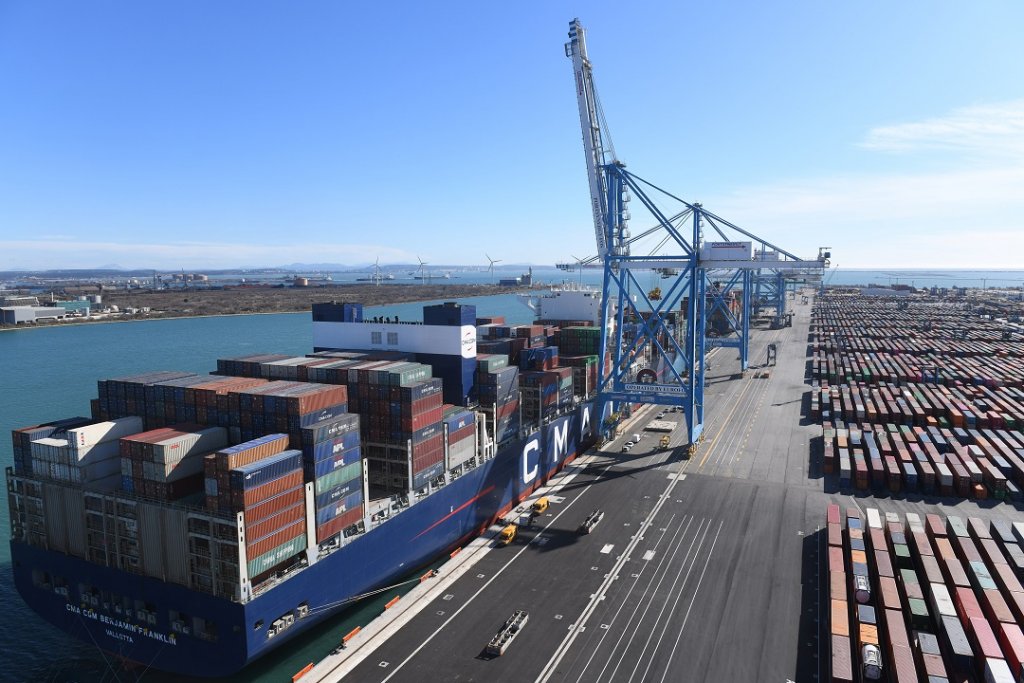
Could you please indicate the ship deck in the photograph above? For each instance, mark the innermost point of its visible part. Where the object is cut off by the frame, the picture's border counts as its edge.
(707, 569)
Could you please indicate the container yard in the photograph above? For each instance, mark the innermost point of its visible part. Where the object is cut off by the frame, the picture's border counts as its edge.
(933, 598)
(918, 397)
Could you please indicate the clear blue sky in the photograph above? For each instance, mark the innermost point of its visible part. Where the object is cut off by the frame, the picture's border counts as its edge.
(196, 134)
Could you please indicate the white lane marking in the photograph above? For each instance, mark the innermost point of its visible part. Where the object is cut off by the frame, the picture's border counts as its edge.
(696, 590)
(675, 544)
(608, 548)
(563, 648)
(482, 588)
(648, 556)
(688, 563)
(672, 609)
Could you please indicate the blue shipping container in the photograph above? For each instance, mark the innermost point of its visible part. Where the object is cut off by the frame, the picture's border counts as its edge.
(459, 420)
(331, 463)
(262, 471)
(329, 429)
(309, 419)
(420, 479)
(339, 492)
(336, 509)
(330, 447)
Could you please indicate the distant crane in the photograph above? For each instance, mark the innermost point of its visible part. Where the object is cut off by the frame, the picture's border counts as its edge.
(490, 268)
(656, 357)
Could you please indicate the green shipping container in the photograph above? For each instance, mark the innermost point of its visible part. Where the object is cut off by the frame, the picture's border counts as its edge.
(338, 476)
(271, 559)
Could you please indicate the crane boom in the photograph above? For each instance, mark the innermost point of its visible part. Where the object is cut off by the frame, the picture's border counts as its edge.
(593, 143)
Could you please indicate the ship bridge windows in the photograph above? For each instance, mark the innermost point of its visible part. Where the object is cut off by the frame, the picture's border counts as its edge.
(375, 338)
(392, 338)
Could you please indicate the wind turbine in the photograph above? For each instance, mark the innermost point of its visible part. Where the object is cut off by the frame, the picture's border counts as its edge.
(422, 263)
(491, 267)
(376, 271)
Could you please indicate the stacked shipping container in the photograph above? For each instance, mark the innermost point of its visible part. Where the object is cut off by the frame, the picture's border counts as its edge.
(167, 463)
(936, 598)
(87, 454)
(925, 399)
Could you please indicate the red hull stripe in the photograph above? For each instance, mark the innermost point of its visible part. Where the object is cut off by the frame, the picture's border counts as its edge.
(456, 510)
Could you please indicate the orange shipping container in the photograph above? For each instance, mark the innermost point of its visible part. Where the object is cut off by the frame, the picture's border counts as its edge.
(840, 618)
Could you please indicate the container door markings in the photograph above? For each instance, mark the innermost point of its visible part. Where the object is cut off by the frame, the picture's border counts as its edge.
(608, 548)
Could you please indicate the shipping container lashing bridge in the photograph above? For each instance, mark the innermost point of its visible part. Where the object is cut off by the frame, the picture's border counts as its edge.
(654, 356)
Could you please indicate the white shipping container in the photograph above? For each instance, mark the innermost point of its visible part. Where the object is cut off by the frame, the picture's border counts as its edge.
(101, 451)
(461, 452)
(942, 603)
(99, 470)
(914, 522)
(874, 519)
(945, 474)
(172, 471)
(203, 441)
(48, 449)
(90, 435)
(997, 671)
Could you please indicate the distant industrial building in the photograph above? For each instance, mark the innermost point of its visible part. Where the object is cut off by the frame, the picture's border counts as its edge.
(82, 307)
(14, 315)
(19, 300)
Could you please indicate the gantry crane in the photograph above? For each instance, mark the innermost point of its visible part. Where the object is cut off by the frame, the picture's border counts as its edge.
(655, 359)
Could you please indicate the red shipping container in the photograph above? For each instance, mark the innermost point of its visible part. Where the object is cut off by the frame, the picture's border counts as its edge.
(890, 593)
(835, 535)
(835, 560)
(837, 586)
(842, 661)
(242, 500)
(422, 462)
(995, 608)
(268, 543)
(338, 524)
(983, 639)
(1011, 642)
(429, 445)
(268, 525)
(461, 434)
(935, 526)
(932, 570)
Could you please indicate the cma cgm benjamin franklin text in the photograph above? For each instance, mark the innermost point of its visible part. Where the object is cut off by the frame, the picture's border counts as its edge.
(195, 522)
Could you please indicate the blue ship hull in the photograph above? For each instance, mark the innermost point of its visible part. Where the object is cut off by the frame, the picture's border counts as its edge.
(406, 542)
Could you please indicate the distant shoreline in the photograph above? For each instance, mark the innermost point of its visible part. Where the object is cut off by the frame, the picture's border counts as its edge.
(308, 310)
(81, 323)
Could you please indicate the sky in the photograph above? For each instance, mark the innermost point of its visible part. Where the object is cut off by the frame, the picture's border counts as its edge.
(189, 134)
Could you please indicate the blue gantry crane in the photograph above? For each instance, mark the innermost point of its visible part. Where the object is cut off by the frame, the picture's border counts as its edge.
(657, 341)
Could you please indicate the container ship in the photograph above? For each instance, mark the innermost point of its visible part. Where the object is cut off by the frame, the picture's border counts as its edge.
(193, 523)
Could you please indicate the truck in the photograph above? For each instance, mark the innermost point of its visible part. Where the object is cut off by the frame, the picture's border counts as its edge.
(540, 507)
(665, 441)
(507, 534)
